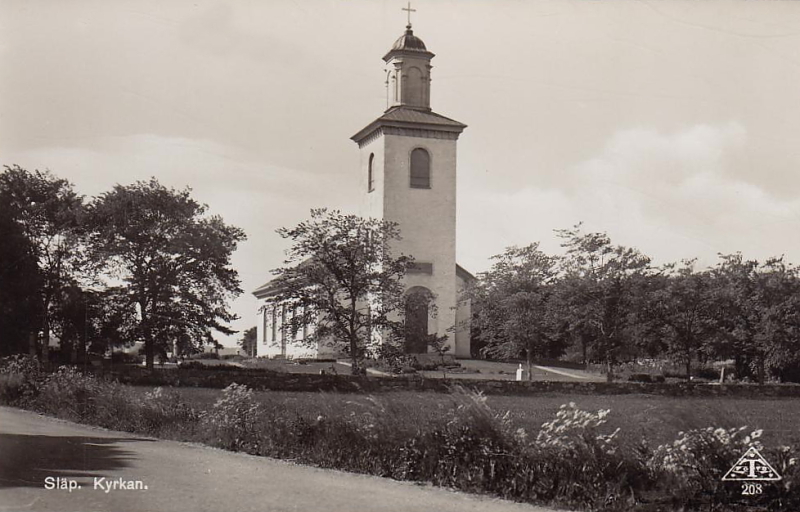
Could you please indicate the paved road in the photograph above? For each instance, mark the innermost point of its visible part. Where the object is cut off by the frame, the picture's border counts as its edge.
(187, 477)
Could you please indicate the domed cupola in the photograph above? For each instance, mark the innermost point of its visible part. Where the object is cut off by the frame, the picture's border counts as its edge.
(410, 43)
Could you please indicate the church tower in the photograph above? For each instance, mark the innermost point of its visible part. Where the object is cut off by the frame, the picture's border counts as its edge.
(408, 176)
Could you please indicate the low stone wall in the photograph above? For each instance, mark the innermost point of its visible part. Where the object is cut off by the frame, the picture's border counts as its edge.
(268, 380)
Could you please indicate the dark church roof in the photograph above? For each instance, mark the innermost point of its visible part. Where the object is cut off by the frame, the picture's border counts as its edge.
(408, 117)
(267, 289)
(408, 42)
(464, 274)
(413, 115)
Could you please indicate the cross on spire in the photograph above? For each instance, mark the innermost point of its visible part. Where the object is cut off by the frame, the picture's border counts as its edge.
(409, 10)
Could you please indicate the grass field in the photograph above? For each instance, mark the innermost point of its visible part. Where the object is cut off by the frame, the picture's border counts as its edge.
(657, 419)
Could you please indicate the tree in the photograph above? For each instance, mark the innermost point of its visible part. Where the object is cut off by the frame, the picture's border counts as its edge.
(341, 277)
(683, 310)
(513, 303)
(738, 317)
(48, 213)
(599, 292)
(20, 285)
(248, 342)
(757, 321)
(173, 258)
(778, 331)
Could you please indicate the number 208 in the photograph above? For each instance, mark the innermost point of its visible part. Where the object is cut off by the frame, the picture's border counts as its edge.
(751, 489)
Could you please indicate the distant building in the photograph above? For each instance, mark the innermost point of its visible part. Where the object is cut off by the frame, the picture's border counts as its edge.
(408, 176)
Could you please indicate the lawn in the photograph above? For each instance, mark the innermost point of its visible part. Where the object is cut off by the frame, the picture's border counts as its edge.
(656, 418)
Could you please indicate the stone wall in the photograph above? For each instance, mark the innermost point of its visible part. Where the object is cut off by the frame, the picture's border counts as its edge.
(266, 380)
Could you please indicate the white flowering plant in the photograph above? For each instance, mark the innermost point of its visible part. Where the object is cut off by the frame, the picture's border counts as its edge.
(698, 459)
(233, 419)
(573, 428)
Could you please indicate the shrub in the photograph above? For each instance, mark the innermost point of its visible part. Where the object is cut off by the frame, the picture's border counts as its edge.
(69, 394)
(391, 358)
(706, 372)
(695, 463)
(581, 466)
(199, 365)
(165, 412)
(231, 421)
(19, 377)
(126, 358)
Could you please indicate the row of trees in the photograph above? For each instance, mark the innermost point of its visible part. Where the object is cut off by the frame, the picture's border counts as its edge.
(607, 303)
(141, 262)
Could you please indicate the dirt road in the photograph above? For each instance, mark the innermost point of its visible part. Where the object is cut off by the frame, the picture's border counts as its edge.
(90, 469)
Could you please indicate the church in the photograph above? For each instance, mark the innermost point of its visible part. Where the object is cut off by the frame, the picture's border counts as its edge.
(408, 176)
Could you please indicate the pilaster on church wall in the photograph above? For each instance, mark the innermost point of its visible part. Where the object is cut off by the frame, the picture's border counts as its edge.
(372, 202)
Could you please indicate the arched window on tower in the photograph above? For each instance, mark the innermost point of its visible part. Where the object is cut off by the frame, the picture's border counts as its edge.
(371, 173)
(420, 169)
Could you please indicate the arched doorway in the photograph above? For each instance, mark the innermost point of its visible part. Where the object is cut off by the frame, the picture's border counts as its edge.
(417, 310)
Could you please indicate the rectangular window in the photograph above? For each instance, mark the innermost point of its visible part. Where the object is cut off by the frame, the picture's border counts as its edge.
(283, 323)
(371, 173)
(274, 323)
(421, 268)
(265, 324)
(420, 169)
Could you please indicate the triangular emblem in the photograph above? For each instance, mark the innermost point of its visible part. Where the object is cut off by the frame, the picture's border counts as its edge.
(751, 466)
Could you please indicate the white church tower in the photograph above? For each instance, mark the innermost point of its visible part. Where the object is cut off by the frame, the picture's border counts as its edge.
(408, 170)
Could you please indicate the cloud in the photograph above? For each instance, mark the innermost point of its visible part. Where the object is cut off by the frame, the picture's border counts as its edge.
(672, 195)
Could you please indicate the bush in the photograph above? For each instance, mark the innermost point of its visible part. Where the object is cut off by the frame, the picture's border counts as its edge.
(19, 378)
(707, 373)
(69, 394)
(165, 412)
(126, 358)
(393, 359)
(696, 462)
(198, 365)
(232, 421)
(204, 355)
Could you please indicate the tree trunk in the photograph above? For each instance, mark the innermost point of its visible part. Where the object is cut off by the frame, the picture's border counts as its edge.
(32, 345)
(584, 349)
(82, 348)
(530, 363)
(149, 346)
(609, 369)
(46, 341)
(688, 365)
(355, 368)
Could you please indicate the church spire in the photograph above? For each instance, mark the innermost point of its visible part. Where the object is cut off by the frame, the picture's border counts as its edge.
(408, 73)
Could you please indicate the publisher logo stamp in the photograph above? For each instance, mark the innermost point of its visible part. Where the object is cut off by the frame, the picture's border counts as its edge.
(752, 466)
(751, 469)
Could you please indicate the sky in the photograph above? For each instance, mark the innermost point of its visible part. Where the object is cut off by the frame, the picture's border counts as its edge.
(670, 125)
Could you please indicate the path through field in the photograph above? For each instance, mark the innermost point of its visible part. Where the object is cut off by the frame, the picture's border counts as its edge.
(188, 477)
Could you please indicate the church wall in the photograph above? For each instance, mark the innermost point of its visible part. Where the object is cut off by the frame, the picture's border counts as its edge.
(463, 320)
(427, 219)
(294, 347)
